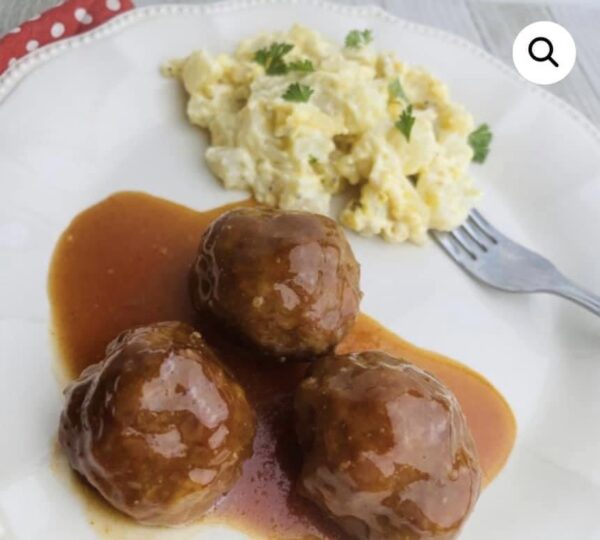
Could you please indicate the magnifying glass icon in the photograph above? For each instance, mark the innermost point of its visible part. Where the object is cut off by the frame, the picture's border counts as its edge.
(548, 56)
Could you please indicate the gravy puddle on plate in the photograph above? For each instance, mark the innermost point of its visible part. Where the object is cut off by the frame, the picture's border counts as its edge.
(125, 262)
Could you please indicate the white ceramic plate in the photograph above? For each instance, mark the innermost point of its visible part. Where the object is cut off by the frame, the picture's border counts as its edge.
(86, 117)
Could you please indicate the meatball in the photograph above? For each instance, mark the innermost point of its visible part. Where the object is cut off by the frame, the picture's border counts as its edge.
(286, 281)
(158, 427)
(387, 451)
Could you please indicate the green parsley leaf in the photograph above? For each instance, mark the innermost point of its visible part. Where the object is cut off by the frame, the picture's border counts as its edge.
(312, 160)
(358, 38)
(304, 66)
(298, 92)
(405, 123)
(396, 90)
(272, 58)
(480, 140)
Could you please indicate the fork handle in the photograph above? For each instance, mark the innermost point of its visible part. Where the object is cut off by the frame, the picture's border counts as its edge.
(567, 289)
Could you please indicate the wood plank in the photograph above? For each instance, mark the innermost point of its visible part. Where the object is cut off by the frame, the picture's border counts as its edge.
(584, 25)
(14, 12)
(451, 16)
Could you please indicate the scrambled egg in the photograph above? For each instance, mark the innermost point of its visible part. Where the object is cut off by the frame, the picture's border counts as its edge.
(343, 138)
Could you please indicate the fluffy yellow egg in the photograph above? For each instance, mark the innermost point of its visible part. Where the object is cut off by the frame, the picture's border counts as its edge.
(321, 118)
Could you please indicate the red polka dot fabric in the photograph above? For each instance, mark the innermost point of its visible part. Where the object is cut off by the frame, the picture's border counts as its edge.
(68, 19)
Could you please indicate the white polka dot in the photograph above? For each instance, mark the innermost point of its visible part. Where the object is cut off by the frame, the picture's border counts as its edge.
(113, 5)
(57, 30)
(15, 30)
(83, 16)
(32, 45)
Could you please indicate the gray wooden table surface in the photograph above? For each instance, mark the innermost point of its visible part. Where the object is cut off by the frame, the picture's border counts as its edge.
(491, 24)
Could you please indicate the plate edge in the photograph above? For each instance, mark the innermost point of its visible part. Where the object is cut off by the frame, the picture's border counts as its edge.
(10, 79)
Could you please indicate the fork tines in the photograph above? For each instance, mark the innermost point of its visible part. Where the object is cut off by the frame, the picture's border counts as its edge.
(473, 237)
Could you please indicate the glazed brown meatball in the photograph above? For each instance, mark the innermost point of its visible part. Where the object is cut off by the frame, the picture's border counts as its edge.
(387, 451)
(158, 427)
(287, 281)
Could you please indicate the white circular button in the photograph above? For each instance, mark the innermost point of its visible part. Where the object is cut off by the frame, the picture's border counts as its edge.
(544, 52)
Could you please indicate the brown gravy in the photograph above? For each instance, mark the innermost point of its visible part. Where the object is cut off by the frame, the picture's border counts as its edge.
(125, 262)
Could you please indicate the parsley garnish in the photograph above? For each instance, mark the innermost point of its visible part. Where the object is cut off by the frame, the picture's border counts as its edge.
(405, 123)
(304, 66)
(298, 92)
(272, 58)
(313, 160)
(358, 38)
(396, 90)
(480, 141)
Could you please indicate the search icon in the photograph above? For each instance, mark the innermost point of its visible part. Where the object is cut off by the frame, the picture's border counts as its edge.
(537, 46)
(542, 58)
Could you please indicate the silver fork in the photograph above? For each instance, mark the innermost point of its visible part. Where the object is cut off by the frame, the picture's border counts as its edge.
(489, 256)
